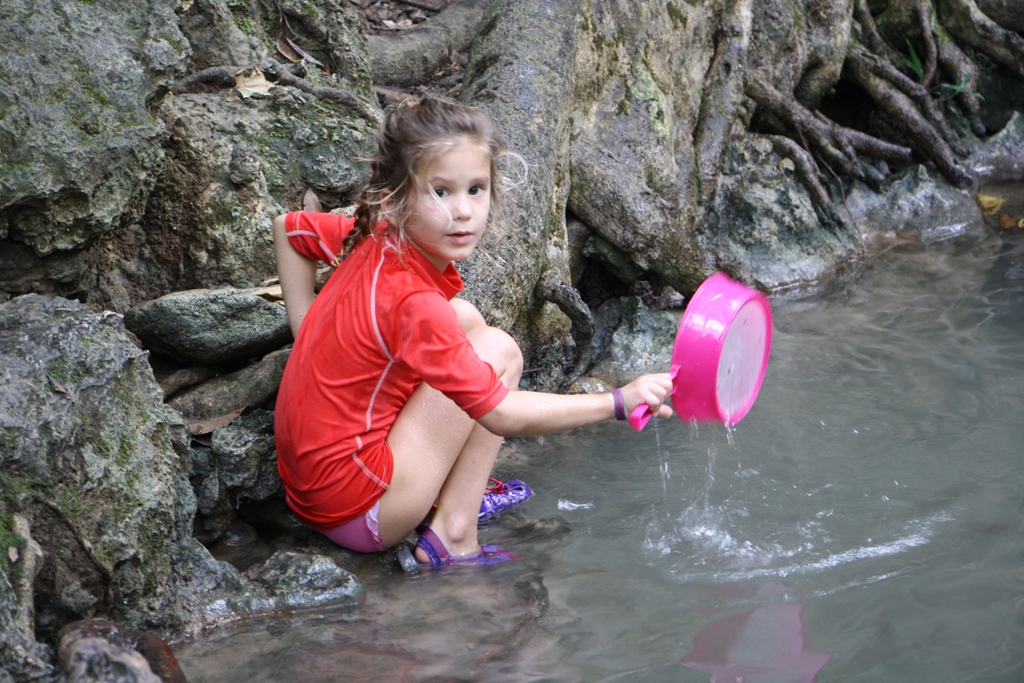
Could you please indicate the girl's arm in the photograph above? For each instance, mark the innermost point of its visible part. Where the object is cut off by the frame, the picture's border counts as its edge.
(297, 274)
(529, 413)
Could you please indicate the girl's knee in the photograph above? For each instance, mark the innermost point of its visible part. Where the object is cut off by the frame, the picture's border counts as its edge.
(469, 317)
(498, 348)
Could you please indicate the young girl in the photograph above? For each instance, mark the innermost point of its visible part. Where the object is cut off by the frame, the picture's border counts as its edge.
(397, 395)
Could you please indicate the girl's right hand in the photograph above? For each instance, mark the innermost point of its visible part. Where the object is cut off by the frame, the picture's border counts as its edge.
(651, 390)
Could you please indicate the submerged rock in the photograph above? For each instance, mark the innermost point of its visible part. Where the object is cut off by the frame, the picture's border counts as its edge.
(301, 580)
(210, 326)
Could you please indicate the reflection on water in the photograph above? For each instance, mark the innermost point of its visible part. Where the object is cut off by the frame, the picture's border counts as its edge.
(869, 508)
(763, 645)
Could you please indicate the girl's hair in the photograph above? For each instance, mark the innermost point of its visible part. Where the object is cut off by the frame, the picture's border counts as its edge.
(413, 134)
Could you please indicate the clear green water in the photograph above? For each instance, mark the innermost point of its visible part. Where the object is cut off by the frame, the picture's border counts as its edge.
(865, 522)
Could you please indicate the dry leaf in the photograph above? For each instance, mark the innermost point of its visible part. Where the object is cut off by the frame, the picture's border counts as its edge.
(287, 50)
(207, 426)
(1005, 220)
(989, 204)
(12, 553)
(302, 53)
(1021, 223)
(310, 202)
(389, 23)
(250, 81)
(272, 293)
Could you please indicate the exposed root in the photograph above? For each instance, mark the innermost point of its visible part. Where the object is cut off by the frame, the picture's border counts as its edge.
(346, 98)
(208, 80)
(723, 88)
(912, 89)
(966, 22)
(569, 301)
(901, 108)
(223, 77)
(925, 15)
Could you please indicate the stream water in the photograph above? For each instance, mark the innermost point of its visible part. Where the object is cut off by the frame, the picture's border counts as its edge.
(865, 522)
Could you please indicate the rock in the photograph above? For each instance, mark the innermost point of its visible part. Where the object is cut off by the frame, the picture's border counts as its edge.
(245, 457)
(210, 326)
(641, 344)
(96, 660)
(80, 150)
(94, 454)
(239, 466)
(218, 401)
(303, 580)
(1001, 157)
(217, 39)
(915, 207)
(762, 226)
(96, 650)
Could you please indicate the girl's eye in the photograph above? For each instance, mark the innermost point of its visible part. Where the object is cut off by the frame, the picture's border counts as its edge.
(440, 192)
(475, 190)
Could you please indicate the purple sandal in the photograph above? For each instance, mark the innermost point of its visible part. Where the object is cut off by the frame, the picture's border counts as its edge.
(439, 556)
(502, 497)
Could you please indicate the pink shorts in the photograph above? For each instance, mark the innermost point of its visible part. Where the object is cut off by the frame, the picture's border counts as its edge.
(361, 534)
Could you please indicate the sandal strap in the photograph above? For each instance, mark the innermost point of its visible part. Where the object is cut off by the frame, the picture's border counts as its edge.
(435, 550)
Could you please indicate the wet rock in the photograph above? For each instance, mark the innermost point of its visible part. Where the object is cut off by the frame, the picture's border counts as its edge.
(299, 580)
(217, 401)
(95, 660)
(764, 226)
(641, 343)
(210, 326)
(916, 207)
(1001, 157)
(98, 650)
(80, 148)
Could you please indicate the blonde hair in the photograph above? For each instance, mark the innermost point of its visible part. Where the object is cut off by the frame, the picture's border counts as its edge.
(413, 134)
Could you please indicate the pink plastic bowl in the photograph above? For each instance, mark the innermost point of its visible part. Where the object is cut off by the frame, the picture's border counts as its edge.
(720, 355)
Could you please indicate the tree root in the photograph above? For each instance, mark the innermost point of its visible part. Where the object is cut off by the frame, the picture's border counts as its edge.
(346, 98)
(550, 288)
(967, 23)
(810, 176)
(909, 117)
(723, 87)
(836, 145)
(223, 77)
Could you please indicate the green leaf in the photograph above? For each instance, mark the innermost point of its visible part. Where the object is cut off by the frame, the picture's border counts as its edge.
(914, 62)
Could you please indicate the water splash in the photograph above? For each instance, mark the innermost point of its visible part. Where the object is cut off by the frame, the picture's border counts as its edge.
(663, 455)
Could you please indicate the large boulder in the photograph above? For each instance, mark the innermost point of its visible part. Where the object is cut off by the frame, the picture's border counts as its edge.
(79, 148)
(94, 460)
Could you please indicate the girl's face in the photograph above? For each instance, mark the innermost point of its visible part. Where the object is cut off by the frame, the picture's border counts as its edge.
(449, 212)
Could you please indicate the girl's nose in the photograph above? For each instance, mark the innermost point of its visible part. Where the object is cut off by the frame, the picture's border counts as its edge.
(460, 207)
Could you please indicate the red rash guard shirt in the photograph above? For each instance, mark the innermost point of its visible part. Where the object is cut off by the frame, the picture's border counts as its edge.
(381, 325)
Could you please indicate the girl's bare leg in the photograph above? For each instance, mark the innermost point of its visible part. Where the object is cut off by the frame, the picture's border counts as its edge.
(441, 455)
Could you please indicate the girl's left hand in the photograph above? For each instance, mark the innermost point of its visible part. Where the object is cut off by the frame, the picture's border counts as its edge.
(651, 390)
